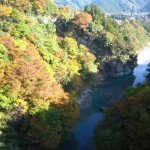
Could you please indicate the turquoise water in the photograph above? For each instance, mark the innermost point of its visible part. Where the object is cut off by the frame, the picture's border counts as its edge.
(81, 137)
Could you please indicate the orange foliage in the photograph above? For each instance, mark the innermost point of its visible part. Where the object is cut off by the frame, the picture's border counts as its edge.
(37, 94)
(40, 5)
(7, 41)
(82, 20)
(28, 5)
(27, 76)
(23, 5)
(5, 11)
(29, 80)
(15, 53)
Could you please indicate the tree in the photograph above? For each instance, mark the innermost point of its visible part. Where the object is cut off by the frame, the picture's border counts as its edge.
(34, 99)
(64, 12)
(21, 30)
(82, 20)
(87, 9)
(126, 123)
(148, 73)
(17, 16)
(5, 11)
(70, 46)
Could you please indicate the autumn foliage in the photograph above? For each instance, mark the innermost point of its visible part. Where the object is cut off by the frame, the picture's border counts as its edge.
(41, 74)
(82, 20)
(5, 11)
(126, 123)
(36, 6)
(35, 92)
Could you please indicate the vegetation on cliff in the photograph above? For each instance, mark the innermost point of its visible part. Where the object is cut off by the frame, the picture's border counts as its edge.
(115, 44)
(36, 69)
(41, 72)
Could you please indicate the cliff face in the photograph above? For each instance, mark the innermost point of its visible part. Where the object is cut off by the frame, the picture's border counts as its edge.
(114, 44)
(109, 63)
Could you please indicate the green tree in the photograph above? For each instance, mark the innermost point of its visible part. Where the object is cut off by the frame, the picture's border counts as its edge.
(21, 30)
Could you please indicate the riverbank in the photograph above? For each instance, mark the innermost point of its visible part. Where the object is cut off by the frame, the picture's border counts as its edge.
(142, 59)
(90, 113)
(89, 90)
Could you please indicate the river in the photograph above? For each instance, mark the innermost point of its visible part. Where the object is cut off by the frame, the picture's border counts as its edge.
(81, 137)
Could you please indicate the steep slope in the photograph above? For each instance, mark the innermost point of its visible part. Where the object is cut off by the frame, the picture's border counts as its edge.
(45, 64)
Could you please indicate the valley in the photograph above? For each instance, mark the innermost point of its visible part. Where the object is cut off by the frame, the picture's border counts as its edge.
(50, 54)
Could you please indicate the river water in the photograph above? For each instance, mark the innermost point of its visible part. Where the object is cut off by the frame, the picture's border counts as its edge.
(81, 137)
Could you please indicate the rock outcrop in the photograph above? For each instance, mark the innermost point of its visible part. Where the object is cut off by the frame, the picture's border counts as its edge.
(109, 63)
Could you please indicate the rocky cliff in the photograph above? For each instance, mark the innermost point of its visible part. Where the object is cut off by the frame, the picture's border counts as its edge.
(109, 63)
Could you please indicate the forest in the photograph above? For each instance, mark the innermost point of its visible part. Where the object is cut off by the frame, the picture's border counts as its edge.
(43, 66)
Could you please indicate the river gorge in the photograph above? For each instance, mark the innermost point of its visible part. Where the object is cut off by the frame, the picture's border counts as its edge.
(81, 137)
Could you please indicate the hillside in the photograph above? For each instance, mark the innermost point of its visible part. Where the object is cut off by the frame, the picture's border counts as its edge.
(47, 58)
(121, 5)
(107, 5)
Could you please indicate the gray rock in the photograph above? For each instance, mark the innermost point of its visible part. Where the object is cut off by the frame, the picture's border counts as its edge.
(102, 66)
(119, 67)
(86, 91)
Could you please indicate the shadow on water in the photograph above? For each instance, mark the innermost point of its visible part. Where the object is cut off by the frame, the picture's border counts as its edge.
(90, 115)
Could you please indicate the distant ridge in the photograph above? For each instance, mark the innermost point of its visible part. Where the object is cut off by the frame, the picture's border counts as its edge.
(147, 7)
(111, 6)
(74, 4)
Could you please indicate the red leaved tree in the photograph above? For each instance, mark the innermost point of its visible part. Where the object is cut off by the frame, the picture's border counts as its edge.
(82, 20)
